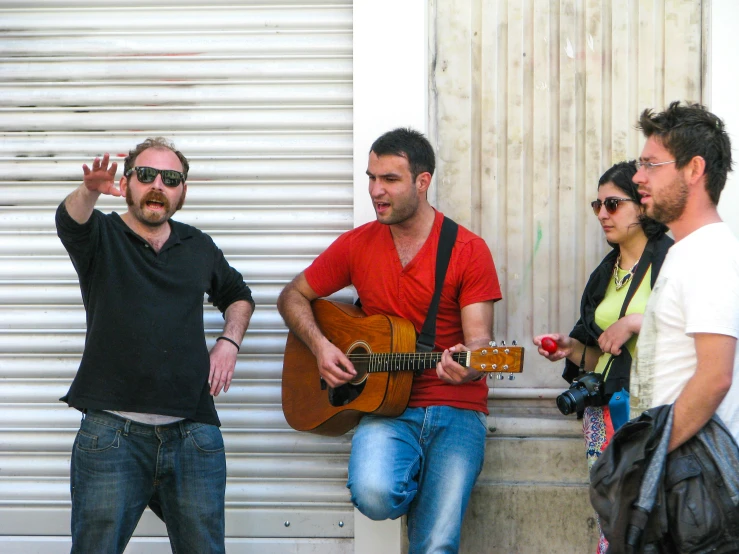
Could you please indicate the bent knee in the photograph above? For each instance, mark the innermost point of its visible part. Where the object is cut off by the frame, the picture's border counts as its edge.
(378, 501)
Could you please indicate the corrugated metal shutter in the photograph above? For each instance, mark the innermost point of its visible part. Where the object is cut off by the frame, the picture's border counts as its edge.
(259, 97)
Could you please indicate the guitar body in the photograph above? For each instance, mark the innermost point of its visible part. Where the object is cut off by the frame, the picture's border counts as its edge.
(307, 402)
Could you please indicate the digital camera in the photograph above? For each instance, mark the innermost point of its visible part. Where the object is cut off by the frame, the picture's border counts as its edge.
(586, 390)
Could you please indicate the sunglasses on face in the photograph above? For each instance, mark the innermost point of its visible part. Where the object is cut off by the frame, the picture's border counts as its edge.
(611, 203)
(146, 175)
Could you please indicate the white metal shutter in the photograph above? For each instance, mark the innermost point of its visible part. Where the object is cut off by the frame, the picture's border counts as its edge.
(259, 97)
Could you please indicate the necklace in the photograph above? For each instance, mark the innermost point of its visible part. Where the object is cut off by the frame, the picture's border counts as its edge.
(626, 278)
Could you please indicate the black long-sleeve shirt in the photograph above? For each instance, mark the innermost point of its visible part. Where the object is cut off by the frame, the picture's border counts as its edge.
(145, 347)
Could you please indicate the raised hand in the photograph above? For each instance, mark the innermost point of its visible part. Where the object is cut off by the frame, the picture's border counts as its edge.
(101, 178)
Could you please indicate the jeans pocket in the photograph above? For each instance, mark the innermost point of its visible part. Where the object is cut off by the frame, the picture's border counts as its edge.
(483, 420)
(207, 439)
(94, 437)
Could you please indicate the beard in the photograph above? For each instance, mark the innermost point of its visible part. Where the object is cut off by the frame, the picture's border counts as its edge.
(672, 206)
(402, 209)
(147, 217)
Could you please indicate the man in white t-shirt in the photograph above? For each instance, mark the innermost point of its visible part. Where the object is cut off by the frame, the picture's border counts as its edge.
(687, 348)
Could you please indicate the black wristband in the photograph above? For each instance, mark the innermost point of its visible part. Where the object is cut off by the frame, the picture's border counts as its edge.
(238, 348)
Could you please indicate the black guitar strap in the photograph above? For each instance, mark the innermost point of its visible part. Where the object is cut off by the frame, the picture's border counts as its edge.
(447, 237)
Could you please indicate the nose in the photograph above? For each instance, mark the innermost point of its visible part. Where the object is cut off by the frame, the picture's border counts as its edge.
(157, 183)
(640, 176)
(376, 189)
(603, 213)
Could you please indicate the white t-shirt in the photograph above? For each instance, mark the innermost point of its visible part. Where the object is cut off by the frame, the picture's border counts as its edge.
(697, 291)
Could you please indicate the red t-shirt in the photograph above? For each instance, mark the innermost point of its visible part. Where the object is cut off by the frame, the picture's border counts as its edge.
(366, 258)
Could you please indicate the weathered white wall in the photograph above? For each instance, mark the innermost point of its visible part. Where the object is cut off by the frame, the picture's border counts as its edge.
(532, 101)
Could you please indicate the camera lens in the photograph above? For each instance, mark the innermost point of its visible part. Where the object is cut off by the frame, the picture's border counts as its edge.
(566, 403)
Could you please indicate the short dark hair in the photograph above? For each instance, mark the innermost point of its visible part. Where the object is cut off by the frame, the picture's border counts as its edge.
(688, 131)
(409, 144)
(622, 177)
(159, 143)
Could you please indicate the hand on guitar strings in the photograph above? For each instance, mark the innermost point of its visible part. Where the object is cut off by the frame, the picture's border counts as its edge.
(450, 371)
(333, 365)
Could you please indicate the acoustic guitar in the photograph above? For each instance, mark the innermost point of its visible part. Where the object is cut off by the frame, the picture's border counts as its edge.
(382, 351)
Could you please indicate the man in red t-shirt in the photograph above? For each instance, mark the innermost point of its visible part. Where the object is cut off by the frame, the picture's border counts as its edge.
(425, 461)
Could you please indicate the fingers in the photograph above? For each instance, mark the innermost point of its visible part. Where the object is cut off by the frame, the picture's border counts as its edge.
(100, 176)
(335, 375)
(219, 380)
(450, 371)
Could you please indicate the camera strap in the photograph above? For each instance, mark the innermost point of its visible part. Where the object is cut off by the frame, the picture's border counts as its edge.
(641, 270)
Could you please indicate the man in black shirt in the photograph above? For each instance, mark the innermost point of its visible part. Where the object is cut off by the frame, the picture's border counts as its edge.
(149, 433)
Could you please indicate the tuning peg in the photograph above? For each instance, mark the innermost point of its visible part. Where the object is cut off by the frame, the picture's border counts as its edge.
(511, 377)
(492, 343)
(502, 343)
(499, 376)
(515, 343)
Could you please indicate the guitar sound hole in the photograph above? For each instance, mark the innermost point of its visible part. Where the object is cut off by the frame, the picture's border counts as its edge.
(343, 395)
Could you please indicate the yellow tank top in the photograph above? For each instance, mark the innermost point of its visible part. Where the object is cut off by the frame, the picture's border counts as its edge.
(609, 309)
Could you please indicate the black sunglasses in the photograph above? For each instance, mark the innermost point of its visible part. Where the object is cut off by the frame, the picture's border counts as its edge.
(146, 175)
(611, 203)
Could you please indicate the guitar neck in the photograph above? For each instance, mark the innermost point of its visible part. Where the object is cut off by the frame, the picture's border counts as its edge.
(410, 361)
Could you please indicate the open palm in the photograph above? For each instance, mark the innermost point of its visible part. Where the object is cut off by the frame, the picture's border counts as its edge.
(101, 178)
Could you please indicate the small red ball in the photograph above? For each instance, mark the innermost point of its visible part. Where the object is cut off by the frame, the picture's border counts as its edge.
(549, 345)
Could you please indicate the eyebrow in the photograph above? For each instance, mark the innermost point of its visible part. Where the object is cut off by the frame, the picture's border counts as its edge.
(384, 175)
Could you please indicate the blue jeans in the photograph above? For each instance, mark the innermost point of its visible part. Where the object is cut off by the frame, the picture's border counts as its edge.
(121, 466)
(423, 463)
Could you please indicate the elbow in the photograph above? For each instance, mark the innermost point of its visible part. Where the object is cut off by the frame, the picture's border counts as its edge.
(724, 383)
(282, 300)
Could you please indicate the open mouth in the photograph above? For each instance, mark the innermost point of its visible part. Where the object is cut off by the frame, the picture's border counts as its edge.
(154, 205)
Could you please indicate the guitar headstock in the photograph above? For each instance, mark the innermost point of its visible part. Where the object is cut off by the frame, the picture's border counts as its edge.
(498, 358)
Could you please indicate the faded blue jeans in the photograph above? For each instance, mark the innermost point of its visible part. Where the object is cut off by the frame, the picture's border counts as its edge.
(423, 463)
(121, 466)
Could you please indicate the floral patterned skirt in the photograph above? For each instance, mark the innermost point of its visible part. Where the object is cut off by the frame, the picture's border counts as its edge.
(598, 430)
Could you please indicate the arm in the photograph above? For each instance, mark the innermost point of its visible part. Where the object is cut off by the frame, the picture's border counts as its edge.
(294, 307)
(569, 348)
(223, 354)
(477, 326)
(705, 390)
(96, 181)
(612, 339)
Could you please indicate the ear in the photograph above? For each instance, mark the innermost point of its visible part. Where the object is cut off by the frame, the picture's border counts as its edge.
(182, 198)
(695, 169)
(423, 181)
(123, 185)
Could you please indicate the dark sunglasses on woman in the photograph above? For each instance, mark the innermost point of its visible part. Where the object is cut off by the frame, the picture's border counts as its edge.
(611, 203)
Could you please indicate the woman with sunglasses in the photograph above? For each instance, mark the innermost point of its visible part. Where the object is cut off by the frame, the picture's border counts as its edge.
(611, 310)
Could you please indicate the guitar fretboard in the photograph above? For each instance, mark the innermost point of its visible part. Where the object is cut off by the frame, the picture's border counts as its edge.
(411, 361)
